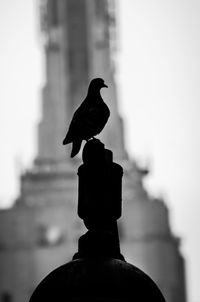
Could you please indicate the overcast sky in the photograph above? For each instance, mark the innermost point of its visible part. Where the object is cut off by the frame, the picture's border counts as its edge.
(158, 75)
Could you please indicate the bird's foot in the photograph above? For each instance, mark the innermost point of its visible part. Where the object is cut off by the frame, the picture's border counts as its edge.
(92, 139)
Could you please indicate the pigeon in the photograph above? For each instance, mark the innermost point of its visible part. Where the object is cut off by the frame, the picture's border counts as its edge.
(90, 117)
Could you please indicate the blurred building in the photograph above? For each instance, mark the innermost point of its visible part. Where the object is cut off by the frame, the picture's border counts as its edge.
(41, 230)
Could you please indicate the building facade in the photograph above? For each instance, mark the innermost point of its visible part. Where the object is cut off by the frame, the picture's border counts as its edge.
(41, 230)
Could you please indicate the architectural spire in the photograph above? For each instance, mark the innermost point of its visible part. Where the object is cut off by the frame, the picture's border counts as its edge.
(78, 37)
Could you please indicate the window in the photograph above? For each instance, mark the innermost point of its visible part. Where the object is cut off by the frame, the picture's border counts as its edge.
(6, 297)
(50, 235)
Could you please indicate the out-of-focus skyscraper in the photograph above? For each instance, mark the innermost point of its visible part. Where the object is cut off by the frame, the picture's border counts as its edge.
(41, 231)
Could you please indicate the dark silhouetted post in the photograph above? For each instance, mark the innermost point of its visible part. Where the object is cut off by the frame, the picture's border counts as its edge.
(98, 271)
(99, 201)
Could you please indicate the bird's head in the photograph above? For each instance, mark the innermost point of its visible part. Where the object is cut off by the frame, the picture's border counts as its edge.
(97, 84)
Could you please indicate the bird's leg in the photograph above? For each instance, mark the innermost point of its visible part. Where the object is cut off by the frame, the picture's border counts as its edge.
(90, 138)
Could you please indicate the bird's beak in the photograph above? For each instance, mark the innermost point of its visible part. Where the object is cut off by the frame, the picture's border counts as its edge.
(104, 85)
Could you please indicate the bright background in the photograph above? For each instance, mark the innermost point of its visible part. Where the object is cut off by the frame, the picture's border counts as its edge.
(158, 75)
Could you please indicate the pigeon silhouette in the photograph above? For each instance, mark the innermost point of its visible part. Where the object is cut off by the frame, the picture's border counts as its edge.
(90, 117)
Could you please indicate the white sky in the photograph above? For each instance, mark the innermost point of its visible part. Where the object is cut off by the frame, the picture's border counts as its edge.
(158, 80)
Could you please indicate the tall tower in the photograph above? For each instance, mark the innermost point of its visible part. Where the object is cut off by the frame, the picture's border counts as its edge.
(40, 232)
(79, 39)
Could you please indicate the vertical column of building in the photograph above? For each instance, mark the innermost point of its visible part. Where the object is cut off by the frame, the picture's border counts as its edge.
(55, 93)
(101, 22)
(77, 49)
(76, 56)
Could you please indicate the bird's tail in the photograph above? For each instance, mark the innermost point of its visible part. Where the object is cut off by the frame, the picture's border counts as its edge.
(66, 140)
(76, 145)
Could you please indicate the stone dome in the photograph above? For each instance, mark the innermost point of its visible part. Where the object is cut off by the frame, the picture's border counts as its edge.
(97, 279)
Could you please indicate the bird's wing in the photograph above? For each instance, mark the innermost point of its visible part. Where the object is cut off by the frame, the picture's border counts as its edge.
(87, 121)
(83, 122)
(94, 121)
(77, 122)
(96, 115)
(76, 145)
